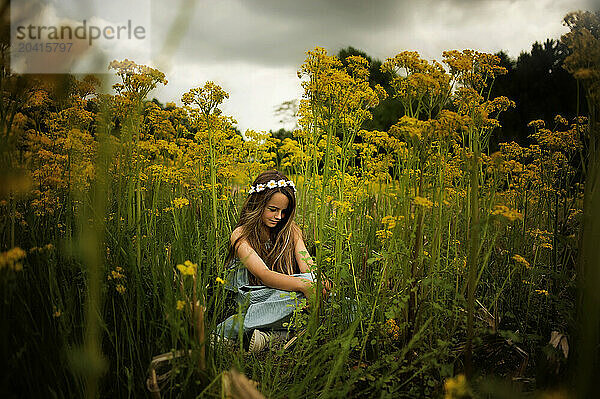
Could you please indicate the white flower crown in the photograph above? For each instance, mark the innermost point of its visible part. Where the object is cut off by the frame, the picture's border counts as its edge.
(271, 184)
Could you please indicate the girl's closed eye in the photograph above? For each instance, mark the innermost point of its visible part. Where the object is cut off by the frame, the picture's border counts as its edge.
(274, 211)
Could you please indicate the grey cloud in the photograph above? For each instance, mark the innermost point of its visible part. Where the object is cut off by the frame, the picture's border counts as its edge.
(277, 33)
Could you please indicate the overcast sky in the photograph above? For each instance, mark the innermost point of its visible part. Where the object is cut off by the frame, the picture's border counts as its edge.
(253, 48)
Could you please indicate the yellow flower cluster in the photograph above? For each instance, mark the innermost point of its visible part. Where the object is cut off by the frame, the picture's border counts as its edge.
(336, 96)
(537, 124)
(118, 277)
(424, 202)
(383, 234)
(460, 262)
(456, 387)
(509, 214)
(566, 141)
(179, 203)
(207, 98)
(180, 304)
(542, 238)
(116, 274)
(473, 69)
(389, 221)
(12, 258)
(542, 292)
(343, 206)
(392, 329)
(417, 84)
(519, 259)
(138, 80)
(560, 120)
(188, 268)
(47, 247)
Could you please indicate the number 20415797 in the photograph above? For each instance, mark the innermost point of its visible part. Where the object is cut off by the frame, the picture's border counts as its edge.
(44, 47)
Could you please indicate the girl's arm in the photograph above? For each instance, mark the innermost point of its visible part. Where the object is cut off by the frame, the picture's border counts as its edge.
(258, 268)
(305, 261)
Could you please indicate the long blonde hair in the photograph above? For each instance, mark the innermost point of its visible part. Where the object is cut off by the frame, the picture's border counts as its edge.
(280, 256)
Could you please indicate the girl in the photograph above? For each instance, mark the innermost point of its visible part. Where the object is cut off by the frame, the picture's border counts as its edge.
(267, 243)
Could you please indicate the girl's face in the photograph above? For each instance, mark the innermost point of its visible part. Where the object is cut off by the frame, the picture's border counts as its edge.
(275, 210)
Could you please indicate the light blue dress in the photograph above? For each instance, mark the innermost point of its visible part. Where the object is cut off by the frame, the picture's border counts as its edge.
(267, 308)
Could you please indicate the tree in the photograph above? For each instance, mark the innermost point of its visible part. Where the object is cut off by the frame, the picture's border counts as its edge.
(540, 87)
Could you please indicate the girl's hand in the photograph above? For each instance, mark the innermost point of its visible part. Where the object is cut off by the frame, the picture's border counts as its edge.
(327, 285)
(309, 288)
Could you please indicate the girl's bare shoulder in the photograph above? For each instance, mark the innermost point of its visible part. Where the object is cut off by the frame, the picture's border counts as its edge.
(296, 232)
(235, 234)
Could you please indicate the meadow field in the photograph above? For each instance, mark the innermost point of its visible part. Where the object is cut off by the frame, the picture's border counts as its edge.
(457, 271)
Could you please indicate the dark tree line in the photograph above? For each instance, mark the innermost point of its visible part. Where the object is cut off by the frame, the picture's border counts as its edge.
(541, 88)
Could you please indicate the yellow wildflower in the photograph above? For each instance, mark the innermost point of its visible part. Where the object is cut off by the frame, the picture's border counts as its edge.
(57, 313)
(188, 268)
(383, 234)
(509, 214)
(220, 280)
(542, 292)
(180, 305)
(115, 274)
(521, 260)
(537, 124)
(179, 203)
(456, 387)
(461, 263)
(11, 259)
(392, 329)
(424, 202)
(120, 289)
(390, 221)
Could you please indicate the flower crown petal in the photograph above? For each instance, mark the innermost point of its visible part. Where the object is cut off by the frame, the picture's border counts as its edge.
(271, 184)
